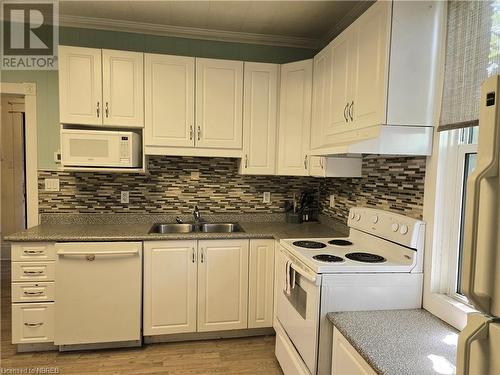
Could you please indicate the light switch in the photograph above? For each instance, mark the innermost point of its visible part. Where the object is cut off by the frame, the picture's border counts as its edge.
(332, 201)
(52, 184)
(266, 197)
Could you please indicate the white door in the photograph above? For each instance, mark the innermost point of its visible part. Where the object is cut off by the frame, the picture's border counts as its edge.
(123, 88)
(321, 95)
(169, 98)
(219, 103)
(345, 359)
(222, 285)
(260, 118)
(295, 118)
(371, 57)
(340, 94)
(170, 269)
(80, 86)
(261, 284)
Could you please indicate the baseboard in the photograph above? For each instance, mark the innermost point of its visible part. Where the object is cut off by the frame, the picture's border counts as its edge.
(209, 335)
(40, 347)
(103, 345)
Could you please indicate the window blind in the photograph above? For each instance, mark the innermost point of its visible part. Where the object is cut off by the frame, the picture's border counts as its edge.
(472, 55)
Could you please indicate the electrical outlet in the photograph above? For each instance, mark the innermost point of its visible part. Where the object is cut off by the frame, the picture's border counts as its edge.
(266, 197)
(332, 201)
(57, 157)
(195, 175)
(124, 197)
(51, 184)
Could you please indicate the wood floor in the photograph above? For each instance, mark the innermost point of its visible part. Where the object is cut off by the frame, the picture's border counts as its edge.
(229, 356)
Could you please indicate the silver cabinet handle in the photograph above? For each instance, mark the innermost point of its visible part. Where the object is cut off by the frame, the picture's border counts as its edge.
(26, 293)
(33, 324)
(351, 111)
(305, 162)
(107, 109)
(321, 163)
(98, 109)
(345, 109)
(193, 255)
(202, 255)
(31, 252)
(246, 160)
(199, 132)
(191, 131)
(26, 272)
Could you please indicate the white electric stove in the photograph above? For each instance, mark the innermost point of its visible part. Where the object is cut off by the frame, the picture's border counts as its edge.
(377, 267)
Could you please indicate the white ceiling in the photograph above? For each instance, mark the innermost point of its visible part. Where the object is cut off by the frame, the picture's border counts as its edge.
(286, 22)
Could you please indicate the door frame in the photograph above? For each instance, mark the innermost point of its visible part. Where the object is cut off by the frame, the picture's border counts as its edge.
(28, 91)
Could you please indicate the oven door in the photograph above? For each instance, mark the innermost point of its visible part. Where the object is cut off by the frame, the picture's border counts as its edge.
(298, 306)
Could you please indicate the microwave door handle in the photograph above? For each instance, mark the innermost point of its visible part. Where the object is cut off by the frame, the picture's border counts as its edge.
(479, 250)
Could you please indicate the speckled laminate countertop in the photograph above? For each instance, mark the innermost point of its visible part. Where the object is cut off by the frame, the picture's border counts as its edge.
(140, 232)
(400, 341)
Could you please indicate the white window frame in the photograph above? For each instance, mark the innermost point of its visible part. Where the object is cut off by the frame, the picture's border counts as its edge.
(442, 212)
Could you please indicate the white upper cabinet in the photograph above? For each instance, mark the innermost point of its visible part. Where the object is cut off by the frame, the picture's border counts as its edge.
(101, 87)
(222, 285)
(219, 103)
(123, 88)
(295, 118)
(321, 94)
(371, 49)
(170, 290)
(260, 118)
(169, 97)
(80, 85)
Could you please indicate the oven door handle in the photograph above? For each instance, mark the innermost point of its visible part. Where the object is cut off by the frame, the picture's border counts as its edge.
(311, 278)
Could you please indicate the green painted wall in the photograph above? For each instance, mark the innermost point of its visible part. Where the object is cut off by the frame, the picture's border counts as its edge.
(47, 82)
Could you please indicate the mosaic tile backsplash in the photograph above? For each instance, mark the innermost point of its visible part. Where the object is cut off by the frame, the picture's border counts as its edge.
(388, 183)
(393, 184)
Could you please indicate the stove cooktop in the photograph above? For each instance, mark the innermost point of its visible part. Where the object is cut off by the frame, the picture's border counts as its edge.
(365, 257)
(309, 244)
(328, 258)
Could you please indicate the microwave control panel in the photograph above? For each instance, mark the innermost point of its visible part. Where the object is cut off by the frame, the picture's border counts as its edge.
(125, 149)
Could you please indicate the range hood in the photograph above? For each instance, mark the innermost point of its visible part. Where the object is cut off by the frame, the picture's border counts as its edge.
(382, 139)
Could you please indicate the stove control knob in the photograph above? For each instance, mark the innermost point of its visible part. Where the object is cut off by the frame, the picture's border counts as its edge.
(404, 229)
(395, 227)
(375, 219)
(352, 215)
(358, 217)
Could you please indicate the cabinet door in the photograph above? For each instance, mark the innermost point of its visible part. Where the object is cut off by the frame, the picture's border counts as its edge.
(222, 285)
(80, 86)
(317, 166)
(321, 95)
(345, 359)
(170, 269)
(123, 88)
(295, 118)
(169, 100)
(32, 323)
(261, 284)
(340, 94)
(219, 103)
(371, 63)
(259, 118)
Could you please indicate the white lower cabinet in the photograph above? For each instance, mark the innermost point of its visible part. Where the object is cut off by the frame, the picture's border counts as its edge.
(345, 359)
(222, 285)
(33, 281)
(261, 284)
(170, 274)
(207, 285)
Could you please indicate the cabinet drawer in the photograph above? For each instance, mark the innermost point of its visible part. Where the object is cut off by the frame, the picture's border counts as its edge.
(25, 252)
(33, 271)
(32, 323)
(33, 292)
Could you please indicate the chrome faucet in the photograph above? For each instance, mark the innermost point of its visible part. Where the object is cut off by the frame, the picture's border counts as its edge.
(196, 214)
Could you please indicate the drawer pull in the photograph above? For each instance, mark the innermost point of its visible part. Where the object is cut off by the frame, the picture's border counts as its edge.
(32, 252)
(33, 293)
(26, 272)
(33, 324)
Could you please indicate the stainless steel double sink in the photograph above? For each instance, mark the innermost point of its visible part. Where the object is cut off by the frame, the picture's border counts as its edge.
(200, 227)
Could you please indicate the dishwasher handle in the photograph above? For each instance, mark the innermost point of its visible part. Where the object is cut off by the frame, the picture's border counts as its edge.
(97, 253)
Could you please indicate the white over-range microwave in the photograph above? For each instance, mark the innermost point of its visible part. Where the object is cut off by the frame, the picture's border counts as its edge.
(100, 148)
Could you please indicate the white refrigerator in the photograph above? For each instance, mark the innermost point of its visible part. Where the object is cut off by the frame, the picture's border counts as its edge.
(479, 343)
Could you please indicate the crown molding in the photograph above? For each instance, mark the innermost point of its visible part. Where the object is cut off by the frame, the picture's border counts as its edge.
(357, 10)
(186, 32)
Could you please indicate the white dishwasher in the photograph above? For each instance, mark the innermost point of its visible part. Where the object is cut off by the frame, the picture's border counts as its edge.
(98, 293)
